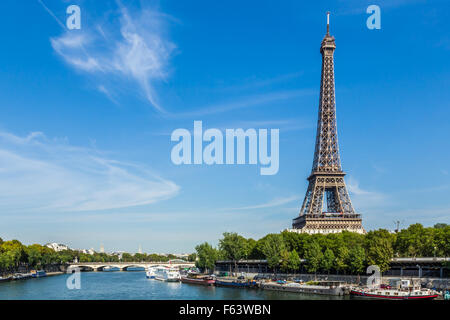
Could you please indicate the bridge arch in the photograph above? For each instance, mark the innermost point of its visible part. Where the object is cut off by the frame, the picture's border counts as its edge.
(134, 266)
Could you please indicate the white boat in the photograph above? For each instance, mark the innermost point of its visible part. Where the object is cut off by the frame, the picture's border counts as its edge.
(167, 274)
(150, 273)
(110, 269)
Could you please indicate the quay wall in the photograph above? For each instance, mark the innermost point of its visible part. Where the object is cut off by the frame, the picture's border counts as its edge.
(438, 283)
(49, 269)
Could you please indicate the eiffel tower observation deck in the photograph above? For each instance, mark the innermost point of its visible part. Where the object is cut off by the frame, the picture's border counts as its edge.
(327, 207)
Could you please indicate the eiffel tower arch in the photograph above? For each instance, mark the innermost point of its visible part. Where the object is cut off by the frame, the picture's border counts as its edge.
(327, 207)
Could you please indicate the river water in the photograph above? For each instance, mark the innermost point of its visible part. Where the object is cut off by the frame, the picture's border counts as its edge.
(132, 285)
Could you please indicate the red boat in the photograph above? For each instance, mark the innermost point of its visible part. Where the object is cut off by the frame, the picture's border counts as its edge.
(398, 289)
(198, 279)
(390, 294)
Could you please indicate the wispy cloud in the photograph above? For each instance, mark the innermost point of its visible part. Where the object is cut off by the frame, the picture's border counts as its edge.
(42, 175)
(132, 47)
(363, 199)
(269, 204)
(254, 82)
(247, 102)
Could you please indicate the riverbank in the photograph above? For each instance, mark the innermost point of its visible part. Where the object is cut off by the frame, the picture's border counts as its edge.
(438, 283)
(54, 273)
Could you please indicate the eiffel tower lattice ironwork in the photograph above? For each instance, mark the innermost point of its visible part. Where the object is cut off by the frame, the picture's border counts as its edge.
(326, 182)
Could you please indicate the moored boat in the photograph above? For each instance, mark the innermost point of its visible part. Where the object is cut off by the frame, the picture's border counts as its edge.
(167, 274)
(333, 288)
(38, 273)
(401, 290)
(21, 276)
(204, 280)
(111, 269)
(238, 283)
(150, 273)
(394, 294)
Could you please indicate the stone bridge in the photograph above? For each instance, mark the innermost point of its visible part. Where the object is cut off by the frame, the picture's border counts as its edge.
(123, 266)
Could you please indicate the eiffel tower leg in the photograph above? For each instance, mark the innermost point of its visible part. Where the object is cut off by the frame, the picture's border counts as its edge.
(344, 198)
(317, 200)
(307, 202)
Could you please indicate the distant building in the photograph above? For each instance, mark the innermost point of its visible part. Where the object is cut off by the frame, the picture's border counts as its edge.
(87, 251)
(118, 254)
(57, 246)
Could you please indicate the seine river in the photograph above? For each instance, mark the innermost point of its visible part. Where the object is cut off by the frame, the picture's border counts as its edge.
(131, 285)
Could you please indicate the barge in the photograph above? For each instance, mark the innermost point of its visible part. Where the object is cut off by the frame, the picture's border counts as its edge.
(335, 288)
(204, 280)
(236, 283)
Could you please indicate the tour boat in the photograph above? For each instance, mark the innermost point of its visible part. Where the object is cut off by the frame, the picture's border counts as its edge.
(38, 273)
(167, 274)
(402, 290)
(198, 279)
(150, 274)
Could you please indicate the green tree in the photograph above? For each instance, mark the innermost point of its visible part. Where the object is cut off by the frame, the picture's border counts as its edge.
(273, 247)
(15, 252)
(328, 260)
(126, 257)
(313, 256)
(294, 260)
(207, 256)
(342, 257)
(234, 247)
(379, 250)
(257, 252)
(139, 257)
(34, 255)
(192, 257)
(357, 259)
(284, 257)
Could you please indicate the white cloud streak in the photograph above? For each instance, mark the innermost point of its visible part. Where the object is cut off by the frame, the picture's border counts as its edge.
(272, 203)
(246, 102)
(132, 47)
(364, 199)
(42, 175)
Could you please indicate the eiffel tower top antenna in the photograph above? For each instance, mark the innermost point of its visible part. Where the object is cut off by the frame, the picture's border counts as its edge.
(328, 23)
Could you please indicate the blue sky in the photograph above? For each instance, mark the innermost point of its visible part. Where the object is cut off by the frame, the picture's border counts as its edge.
(86, 116)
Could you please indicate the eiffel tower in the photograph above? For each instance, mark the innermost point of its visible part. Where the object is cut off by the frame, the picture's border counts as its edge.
(326, 182)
